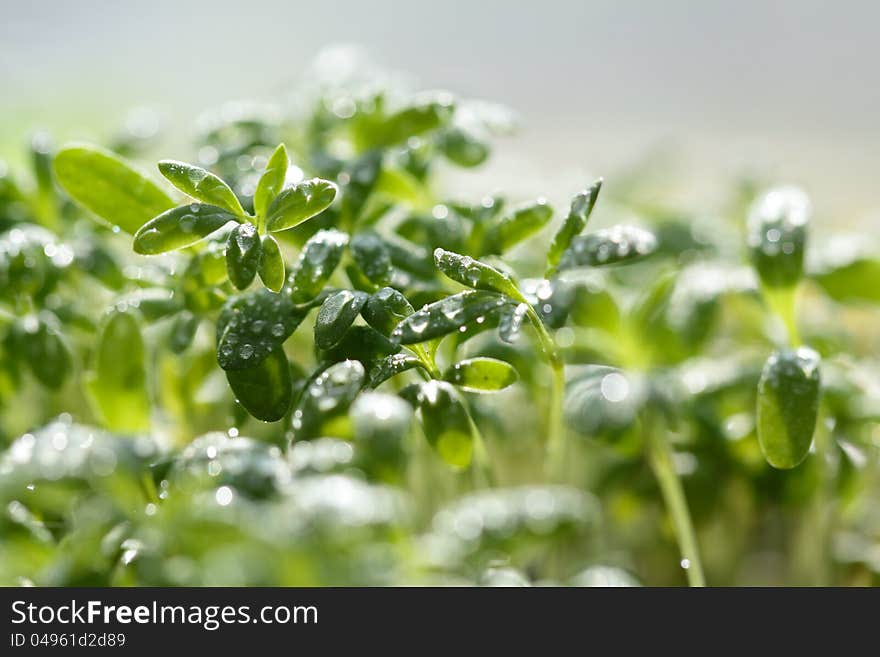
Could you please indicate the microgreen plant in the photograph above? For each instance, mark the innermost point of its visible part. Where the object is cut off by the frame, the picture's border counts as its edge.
(304, 360)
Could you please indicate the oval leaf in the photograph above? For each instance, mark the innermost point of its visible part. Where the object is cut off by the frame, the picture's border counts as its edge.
(252, 325)
(201, 185)
(295, 205)
(180, 227)
(330, 393)
(272, 181)
(337, 313)
(447, 315)
(475, 274)
(372, 257)
(271, 264)
(37, 341)
(385, 309)
(266, 391)
(788, 403)
(243, 255)
(317, 262)
(481, 374)
(446, 423)
(777, 234)
(118, 384)
(109, 187)
(609, 246)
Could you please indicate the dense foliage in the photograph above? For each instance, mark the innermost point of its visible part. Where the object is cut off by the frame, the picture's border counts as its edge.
(301, 360)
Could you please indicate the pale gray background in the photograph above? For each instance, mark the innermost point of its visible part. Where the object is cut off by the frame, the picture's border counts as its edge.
(787, 88)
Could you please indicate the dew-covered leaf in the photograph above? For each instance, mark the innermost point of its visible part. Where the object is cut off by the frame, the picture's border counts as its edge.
(299, 203)
(337, 313)
(360, 343)
(581, 207)
(328, 394)
(788, 404)
(382, 370)
(243, 254)
(481, 374)
(447, 315)
(372, 257)
(777, 234)
(511, 321)
(385, 309)
(180, 227)
(265, 390)
(474, 274)
(201, 185)
(252, 325)
(118, 382)
(317, 262)
(272, 181)
(609, 246)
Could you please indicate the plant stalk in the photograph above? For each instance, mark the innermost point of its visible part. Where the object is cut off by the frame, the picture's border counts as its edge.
(660, 457)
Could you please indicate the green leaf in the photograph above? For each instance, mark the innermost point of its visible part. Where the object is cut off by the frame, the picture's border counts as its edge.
(788, 404)
(296, 204)
(361, 177)
(37, 340)
(426, 114)
(272, 181)
(475, 274)
(447, 315)
(183, 330)
(243, 254)
(462, 147)
(109, 187)
(361, 343)
(610, 246)
(511, 321)
(513, 228)
(252, 325)
(266, 390)
(330, 393)
(337, 313)
(317, 262)
(446, 423)
(481, 374)
(777, 235)
(202, 185)
(385, 309)
(847, 268)
(271, 264)
(372, 257)
(180, 227)
(118, 383)
(581, 208)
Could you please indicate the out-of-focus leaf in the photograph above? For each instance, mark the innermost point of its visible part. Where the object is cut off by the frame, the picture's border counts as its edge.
(602, 402)
(372, 257)
(109, 187)
(328, 394)
(39, 343)
(445, 423)
(581, 207)
(609, 246)
(777, 234)
(118, 382)
(516, 226)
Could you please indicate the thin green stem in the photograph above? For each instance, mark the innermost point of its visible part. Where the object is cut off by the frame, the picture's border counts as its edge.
(556, 447)
(660, 457)
(482, 462)
(782, 302)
